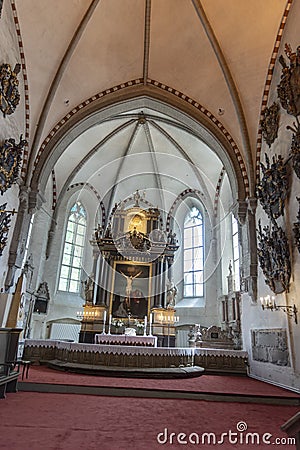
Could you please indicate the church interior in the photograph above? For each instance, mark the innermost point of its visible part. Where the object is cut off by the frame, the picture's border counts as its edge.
(150, 199)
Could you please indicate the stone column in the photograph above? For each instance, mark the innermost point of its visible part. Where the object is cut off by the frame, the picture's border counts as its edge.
(157, 293)
(96, 270)
(164, 281)
(101, 281)
(104, 284)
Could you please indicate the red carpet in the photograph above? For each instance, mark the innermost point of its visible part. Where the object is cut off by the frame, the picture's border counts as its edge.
(50, 421)
(35, 421)
(206, 383)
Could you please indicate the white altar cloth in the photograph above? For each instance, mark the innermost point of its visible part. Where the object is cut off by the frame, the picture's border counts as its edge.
(125, 339)
(131, 349)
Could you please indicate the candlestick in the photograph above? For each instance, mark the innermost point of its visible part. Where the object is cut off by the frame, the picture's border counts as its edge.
(109, 323)
(104, 322)
(145, 326)
(150, 324)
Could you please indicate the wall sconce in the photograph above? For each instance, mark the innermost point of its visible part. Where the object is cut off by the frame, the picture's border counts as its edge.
(268, 302)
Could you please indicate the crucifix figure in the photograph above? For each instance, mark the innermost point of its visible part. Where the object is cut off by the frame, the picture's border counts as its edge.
(129, 279)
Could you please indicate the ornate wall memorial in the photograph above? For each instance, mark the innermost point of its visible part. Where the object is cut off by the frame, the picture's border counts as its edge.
(270, 346)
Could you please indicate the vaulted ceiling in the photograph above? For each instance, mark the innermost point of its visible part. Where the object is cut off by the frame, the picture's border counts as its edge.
(207, 60)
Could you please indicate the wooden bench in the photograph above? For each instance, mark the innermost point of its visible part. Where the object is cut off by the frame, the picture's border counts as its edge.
(8, 383)
(9, 338)
(292, 428)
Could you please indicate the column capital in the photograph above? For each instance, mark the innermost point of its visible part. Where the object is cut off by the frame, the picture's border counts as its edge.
(239, 210)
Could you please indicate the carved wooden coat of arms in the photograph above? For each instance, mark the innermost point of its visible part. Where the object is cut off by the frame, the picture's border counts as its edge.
(274, 257)
(273, 187)
(289, 87)
(5, 219)
(295, 147)
(9, 88)
(270, 123)
(10, 160)
(296, 228)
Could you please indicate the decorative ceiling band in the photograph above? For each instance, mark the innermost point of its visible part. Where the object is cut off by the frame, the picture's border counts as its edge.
(268, 82)
(26, 88)
(186, 193)
(94, 190)
(54, 190)
(218, 191)
(166, 88)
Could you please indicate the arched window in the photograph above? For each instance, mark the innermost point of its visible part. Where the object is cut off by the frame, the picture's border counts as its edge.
(235, 252)
(70, 272)
(193, 254)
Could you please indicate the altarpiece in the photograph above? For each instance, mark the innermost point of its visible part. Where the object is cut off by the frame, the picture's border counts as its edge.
(131, 286)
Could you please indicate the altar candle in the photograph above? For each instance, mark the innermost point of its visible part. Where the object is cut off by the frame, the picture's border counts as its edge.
(150, 324)
(109, 323)
(104, 322)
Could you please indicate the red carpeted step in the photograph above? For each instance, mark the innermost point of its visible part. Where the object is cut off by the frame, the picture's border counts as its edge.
(206, 383)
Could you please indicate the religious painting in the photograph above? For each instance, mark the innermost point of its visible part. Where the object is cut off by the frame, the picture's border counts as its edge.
(130, 290)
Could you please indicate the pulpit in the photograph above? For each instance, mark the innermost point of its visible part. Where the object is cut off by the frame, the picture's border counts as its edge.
(133, 257)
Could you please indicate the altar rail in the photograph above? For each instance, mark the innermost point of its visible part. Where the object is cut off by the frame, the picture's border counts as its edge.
(213, 360)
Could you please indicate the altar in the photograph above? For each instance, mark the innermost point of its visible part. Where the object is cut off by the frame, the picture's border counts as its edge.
(130, 360)
(124, 339)
(131, 283)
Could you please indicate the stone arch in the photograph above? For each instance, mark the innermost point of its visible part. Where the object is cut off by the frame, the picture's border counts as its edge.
(195, 118)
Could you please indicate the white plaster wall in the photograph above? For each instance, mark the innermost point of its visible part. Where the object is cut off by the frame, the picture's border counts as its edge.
(11, 126)
(63, 305)
(253, 316)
